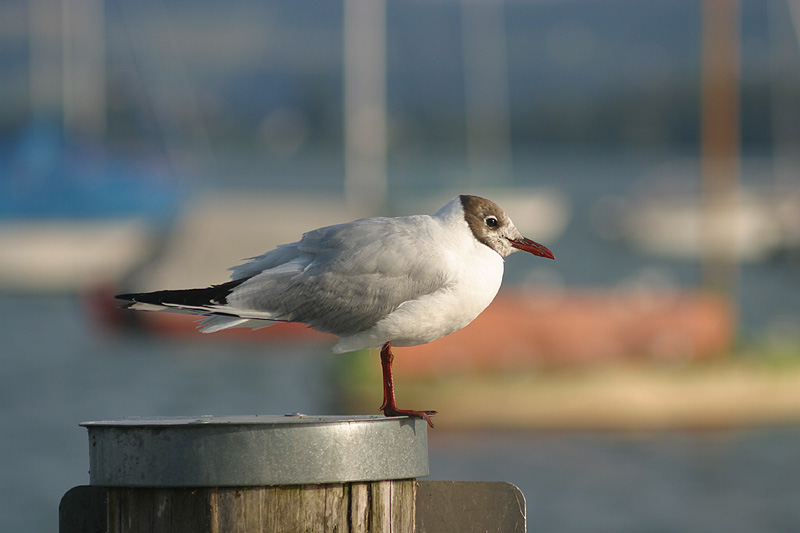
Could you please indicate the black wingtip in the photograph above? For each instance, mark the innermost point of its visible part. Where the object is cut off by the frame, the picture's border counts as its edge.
(215, 294)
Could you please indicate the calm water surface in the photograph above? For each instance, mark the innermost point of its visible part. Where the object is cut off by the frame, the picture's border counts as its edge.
(57, 369)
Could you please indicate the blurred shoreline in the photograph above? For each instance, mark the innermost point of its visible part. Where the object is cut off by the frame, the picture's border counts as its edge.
(735, 392)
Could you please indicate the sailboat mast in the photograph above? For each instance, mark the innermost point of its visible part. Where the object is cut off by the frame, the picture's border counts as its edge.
(720, 144)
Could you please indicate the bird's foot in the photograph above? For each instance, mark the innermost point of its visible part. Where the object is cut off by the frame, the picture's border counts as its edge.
(389, 410)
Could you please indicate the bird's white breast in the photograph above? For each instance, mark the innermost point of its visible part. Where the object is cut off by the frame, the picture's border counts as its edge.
(475, 272)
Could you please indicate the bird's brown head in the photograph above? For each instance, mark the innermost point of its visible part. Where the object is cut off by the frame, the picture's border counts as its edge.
(492, 227)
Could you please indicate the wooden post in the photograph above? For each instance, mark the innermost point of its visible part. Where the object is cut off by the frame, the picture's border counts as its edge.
(439, 506)
(259, 473)
(357, 507)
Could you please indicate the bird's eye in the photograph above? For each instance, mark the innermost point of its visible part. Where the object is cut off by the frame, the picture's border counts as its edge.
(491, 221)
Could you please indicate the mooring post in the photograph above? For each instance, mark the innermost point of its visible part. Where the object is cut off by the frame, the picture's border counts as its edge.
(259, 473)
(347, 474)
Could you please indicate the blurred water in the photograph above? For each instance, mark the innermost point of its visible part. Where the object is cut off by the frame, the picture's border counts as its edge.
(733, 481)
(56, 371)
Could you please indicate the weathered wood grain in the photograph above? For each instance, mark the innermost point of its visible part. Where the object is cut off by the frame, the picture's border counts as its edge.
(358, 507)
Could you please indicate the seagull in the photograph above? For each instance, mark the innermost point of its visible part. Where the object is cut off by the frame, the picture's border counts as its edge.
(374, 282)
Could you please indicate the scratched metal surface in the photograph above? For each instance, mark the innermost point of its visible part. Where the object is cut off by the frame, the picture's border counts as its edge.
(255, 450)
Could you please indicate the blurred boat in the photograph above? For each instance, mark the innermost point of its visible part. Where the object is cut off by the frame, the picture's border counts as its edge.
(72, 216)
(39, 256)
(523, 330)
(761, 224)
(533, 329)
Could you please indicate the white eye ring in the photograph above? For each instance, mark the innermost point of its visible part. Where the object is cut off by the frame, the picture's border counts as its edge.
(491, 221)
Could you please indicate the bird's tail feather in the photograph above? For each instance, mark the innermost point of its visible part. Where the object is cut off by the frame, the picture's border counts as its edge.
(211, 324)
(186, 300)
(211, 302)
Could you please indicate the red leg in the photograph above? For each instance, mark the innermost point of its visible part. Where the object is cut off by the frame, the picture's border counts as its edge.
(389, 406)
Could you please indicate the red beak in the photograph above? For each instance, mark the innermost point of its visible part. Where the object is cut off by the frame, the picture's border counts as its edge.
(527, 245)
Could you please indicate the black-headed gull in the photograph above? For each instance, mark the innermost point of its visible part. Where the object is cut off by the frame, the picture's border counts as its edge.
(374, 282)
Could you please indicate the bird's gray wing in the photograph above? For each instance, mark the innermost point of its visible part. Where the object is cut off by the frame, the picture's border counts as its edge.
(280, 255)
(343, 279)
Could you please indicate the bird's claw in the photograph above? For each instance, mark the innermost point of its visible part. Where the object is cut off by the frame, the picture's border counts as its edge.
(393, 411)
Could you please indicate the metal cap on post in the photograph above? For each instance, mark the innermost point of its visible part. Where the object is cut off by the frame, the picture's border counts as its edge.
(258, 450)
